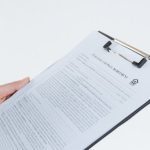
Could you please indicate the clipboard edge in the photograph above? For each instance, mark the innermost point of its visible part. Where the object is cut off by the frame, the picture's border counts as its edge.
(119, 124)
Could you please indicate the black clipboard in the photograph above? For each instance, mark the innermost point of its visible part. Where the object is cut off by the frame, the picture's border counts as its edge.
(136, 64)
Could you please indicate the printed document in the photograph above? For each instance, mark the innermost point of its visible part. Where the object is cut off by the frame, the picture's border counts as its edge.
(75, 101)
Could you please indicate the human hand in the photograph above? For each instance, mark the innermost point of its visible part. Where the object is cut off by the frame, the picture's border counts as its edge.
(9, 89)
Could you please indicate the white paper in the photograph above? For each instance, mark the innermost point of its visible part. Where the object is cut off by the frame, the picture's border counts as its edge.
(75, 101)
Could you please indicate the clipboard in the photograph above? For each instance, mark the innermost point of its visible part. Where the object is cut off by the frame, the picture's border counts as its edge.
(76, 96)
(140, 64)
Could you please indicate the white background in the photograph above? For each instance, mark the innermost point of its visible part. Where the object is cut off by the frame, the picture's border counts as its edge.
(36, 33)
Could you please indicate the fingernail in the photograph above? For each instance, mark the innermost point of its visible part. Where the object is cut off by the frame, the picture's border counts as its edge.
(27, 79)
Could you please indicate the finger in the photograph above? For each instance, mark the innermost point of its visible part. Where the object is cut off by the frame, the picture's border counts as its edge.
(11, 88)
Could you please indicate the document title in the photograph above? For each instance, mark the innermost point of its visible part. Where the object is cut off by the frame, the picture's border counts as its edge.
(110, 66)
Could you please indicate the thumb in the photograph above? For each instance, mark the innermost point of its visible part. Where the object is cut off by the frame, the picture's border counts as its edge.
(10, 88)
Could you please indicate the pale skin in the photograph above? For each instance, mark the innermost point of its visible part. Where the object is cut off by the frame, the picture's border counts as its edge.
(7, 90)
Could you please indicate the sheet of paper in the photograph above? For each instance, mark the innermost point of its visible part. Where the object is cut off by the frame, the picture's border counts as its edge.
(75, 101)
